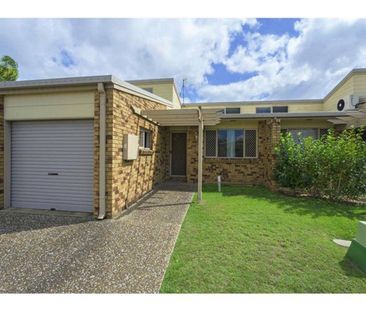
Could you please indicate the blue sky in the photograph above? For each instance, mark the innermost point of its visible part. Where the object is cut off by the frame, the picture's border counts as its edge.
(221, 59)
(276, 26)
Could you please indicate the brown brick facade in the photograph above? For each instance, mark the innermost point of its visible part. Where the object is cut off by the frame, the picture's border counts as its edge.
(127, 181)
(241, 171)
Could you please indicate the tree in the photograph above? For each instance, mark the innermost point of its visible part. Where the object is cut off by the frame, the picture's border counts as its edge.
(8, 69)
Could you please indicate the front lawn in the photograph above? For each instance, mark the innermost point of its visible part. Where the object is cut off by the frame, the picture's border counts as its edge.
(250, 240)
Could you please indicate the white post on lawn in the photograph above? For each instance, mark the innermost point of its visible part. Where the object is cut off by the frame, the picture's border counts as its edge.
(200, 149)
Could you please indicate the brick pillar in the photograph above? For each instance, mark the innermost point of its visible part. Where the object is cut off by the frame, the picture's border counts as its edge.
(272, 129)
(192, 154)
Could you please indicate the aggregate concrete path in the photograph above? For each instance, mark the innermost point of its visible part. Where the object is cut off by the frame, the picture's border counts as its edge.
(43, 253)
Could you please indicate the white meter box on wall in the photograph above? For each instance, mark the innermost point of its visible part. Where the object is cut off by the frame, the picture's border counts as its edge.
(130, 147)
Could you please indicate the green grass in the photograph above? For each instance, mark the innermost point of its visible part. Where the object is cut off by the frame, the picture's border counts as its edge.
(248, 239)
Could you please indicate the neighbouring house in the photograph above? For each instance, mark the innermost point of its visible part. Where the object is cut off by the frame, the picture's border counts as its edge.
(97, 144)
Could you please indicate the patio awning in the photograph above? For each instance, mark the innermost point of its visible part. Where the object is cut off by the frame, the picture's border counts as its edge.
(183, 117)
(188, 117)
(207, 117)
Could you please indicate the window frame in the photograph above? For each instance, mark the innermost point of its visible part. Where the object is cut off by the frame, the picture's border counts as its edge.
(244, 140)
(145, 131)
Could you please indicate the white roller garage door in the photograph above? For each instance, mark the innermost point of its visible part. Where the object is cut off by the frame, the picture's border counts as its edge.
(52, 165)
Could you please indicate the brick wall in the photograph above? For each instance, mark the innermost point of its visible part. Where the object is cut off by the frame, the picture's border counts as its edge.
(242, 171)
(127, 181)
(271, 136)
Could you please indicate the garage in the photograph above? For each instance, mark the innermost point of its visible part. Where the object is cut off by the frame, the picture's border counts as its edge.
(52, 165)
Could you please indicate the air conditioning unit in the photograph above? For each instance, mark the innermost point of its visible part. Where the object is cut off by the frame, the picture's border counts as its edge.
(348, 102)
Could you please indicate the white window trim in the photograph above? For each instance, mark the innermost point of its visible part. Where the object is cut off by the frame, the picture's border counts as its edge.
(144, 130)
(217, 144)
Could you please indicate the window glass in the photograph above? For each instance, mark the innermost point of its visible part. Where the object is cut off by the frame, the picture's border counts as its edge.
(230, 143)
(222, 139)
(280, 109)
(305, 132)
(239, 135)
(145, 138)
(263, 110)
(232, 110)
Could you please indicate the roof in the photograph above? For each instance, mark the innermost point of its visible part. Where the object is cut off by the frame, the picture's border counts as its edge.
(256, 102)
(293, 115)
(82, 81)
(190, 117)
(151, 81)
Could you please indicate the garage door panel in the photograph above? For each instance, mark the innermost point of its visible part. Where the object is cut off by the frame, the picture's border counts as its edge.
(73, 186)
(42, 147)
(64, 206)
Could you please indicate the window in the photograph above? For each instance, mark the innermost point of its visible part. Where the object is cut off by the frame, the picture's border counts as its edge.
(145, 138)
(278, 109)
(232, 110)
(305, 132)
(250, 143)
(210, 144)
(148, 89)
(231, 143)
(263, 110)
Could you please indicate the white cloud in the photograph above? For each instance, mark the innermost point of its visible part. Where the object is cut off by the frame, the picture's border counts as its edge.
(261, 53)
(306, 66)
(128, 48)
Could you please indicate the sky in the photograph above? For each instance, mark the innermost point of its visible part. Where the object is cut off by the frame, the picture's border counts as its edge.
(220, 59)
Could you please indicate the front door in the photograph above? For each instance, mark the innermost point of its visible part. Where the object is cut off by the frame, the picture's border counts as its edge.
(179, 154)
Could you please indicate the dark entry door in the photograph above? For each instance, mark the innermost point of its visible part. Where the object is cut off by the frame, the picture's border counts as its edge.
(179, 154)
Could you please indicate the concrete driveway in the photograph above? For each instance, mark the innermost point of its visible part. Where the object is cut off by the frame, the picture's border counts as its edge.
(47, 254)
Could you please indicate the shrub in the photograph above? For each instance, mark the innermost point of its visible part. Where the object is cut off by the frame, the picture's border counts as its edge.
(333, 166)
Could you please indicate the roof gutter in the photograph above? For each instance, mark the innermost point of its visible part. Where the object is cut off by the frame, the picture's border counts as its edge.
(102, 147)
(287, 115)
